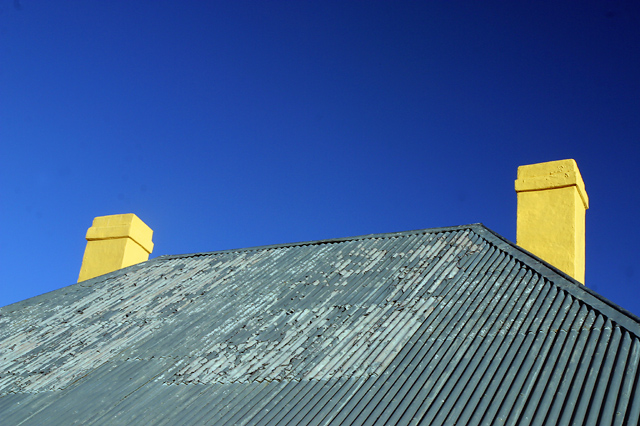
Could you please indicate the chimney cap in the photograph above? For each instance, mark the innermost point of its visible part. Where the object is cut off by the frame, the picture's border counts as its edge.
(121, 226)
(549, 175)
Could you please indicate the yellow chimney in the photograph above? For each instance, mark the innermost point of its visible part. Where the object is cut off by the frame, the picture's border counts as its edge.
(114, 242)
(552, 202)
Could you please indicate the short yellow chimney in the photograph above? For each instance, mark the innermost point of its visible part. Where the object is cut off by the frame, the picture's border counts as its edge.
(115, 242)
(552, 202)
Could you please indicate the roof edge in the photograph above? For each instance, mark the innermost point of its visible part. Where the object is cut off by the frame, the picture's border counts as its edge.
(325, 241)
(123, 271)
(75, 286)
(611, 310)
(616, 313)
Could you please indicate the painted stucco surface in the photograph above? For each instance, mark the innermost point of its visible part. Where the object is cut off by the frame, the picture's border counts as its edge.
(551, 214)
(115, 242)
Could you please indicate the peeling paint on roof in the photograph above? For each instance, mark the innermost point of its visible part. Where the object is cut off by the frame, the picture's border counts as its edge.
(442, 326)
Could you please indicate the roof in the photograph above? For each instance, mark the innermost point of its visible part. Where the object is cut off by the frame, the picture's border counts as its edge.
(438, 326)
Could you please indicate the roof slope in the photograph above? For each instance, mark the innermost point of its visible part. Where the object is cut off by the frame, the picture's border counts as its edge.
(441, 326)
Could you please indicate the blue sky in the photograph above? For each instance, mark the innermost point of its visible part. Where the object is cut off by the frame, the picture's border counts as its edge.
(236, 124)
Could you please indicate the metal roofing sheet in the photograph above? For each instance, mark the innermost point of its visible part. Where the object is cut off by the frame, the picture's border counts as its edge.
(443, 326)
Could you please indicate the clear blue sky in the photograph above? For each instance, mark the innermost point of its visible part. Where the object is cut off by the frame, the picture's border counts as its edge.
(235, 124)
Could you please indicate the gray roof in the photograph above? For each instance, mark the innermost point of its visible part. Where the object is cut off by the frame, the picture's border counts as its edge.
(432, 327)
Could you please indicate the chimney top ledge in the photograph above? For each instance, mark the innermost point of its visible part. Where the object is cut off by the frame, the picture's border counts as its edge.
(550, 175)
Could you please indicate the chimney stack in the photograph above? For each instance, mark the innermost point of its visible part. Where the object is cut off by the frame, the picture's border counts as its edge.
(115, 242)
(552, 202)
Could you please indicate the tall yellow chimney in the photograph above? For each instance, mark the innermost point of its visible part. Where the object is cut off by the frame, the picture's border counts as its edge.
(114, 242)
(552, 202)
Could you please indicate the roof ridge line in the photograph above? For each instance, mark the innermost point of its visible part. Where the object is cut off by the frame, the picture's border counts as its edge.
(324, 241)
(621, 316)
(123, 271)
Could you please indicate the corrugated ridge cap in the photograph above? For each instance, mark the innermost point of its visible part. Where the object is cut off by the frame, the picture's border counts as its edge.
(472, 226)
(606, 307)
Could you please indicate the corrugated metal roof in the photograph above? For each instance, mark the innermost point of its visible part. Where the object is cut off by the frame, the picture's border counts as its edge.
(442, 326)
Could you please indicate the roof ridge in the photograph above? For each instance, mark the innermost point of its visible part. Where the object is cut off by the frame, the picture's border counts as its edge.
(123, 271)
(606, 307)
(616, 313)
(323, 241)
